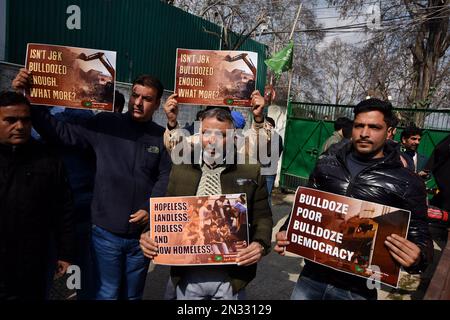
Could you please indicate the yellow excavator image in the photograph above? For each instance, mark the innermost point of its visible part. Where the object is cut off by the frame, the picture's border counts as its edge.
(103, 89)
(240, 84)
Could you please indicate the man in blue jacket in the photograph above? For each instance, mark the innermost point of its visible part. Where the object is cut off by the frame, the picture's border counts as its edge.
(132, 165)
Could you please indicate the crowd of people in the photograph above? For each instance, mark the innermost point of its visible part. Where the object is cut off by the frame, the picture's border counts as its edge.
(91, 208)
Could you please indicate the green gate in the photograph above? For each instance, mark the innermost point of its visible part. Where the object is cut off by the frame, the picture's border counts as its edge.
(145, 33)
(309, 125)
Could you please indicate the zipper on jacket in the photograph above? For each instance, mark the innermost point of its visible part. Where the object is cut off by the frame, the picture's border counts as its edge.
(352, 179)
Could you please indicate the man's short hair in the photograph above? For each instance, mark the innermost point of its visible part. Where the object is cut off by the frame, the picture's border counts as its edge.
(198, 117)
(347, 129)
(219, 114)
(271, 121)
(373, 104)
(410, 131)
(11, 98)
(151, 82)
(341, 122)
(393, 121)
(227, 109)
(119, 100)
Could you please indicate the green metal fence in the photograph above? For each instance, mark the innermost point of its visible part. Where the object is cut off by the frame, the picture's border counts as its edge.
(309, 126)
(145, 33)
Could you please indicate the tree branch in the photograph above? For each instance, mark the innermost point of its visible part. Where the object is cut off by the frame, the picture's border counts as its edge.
(239, 44)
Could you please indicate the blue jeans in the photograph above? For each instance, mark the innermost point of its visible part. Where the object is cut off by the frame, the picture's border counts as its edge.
(309, 289)
(270, 181)
(120, 266)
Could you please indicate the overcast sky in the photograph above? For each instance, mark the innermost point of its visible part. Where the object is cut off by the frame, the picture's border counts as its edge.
(330, 18)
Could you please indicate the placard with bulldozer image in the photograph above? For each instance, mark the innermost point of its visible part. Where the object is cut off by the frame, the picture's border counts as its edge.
(199, 230)
(215, 78)
(71, 77)
(346, 234)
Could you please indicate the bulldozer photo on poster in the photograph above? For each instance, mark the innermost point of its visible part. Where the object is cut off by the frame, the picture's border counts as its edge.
(219, 78)
(103, 89)
(240, 84)
(71, 77)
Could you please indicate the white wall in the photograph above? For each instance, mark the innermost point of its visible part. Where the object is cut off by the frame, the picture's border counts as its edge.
(278, 113)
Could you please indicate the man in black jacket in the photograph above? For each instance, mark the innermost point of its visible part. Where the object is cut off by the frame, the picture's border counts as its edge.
(410, 138)
(367, 168)
(35, 202)
(132, 165)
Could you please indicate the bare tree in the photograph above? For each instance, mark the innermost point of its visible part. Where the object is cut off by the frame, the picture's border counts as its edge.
(240, 16)
(306, 82)
(422, 29)
(339, 81)
(269, 22)
(431, 42)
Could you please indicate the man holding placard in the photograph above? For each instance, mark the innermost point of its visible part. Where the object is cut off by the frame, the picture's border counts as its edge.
(367, 169)
(35, 204)
(213, 175)
(131, 166)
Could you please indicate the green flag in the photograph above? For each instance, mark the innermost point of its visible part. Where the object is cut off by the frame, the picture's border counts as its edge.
(282, 60)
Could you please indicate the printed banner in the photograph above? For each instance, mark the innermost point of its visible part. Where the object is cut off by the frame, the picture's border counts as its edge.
(71, 77)
(346, 234)
(204, 230)
(215, 78)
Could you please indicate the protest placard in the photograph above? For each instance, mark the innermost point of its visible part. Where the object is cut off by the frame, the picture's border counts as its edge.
(203, 230)
(71, 77)
(215, 78)
(346, 234)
